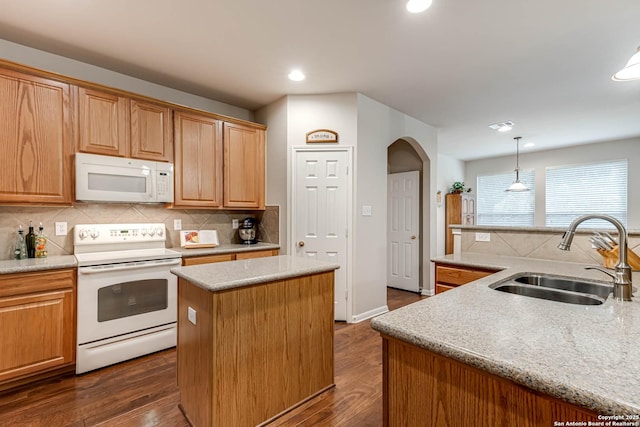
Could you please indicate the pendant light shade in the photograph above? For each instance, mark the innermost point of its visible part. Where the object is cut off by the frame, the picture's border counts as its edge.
(517, 186)
(631, 71)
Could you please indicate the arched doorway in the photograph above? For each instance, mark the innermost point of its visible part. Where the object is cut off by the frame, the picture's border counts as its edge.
(405, 159)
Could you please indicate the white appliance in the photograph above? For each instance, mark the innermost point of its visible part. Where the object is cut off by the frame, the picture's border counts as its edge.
(127, 298)
(120, 179)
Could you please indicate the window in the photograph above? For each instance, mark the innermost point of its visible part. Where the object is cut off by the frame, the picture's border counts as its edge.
(499, 207)
(588, 188)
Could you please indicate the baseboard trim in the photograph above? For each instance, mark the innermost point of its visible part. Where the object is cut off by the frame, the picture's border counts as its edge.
(427, 292)
(369, 314)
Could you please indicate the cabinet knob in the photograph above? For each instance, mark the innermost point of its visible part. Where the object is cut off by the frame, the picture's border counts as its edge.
(301, 243)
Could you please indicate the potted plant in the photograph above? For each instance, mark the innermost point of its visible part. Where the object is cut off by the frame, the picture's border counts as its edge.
(458, 187)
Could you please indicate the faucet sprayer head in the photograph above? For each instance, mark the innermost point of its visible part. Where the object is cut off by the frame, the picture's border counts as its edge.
(567, 238)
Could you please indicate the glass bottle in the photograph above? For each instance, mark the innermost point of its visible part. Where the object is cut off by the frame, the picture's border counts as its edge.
(20, 249)
(41, 243)
(31, 242)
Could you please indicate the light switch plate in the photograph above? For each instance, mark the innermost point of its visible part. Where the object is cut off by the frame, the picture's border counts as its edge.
(366, 210)
(177, 224)
(234, 224)
(483, 237)
(61, 228)
(191, 315)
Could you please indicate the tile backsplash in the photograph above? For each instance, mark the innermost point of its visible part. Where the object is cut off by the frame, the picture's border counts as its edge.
(537, 243)
(95, 213)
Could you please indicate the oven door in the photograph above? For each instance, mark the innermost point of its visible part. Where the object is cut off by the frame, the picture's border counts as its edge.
(117, 299)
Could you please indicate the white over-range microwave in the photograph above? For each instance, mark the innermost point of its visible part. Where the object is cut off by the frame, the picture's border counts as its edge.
(119, 179)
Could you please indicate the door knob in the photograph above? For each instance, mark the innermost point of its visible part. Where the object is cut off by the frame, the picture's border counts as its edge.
(301, 243)
(413, 237)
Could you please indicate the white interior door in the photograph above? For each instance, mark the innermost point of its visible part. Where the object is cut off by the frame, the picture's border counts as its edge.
(320, 212)
(403, 237)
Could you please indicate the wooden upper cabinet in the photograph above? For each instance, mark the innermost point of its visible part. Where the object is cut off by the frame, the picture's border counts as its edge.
(197, 161)
(151, 131)
(36, 140)
(103, 123)
(244, 169)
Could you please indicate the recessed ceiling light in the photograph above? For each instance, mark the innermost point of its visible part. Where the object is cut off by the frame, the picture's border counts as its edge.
(529, 144)
(296, 75)
(417, 6)
(502, 127)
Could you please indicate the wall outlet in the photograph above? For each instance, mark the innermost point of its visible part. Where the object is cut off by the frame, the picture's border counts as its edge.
(483, 237)
(366, 210)
(61, 228)
(191, 315)
(235, 224)
(177, 224)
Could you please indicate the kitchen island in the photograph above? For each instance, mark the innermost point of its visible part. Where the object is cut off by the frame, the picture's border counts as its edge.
(476, 356)
(255, 338)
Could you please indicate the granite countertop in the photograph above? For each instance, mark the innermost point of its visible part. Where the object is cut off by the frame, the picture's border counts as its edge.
(585, 355)
(37, 264)
(225, 249)
(234, 274)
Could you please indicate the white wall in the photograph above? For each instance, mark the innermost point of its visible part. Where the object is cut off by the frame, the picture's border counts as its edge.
(370, 127)
(378, 127)
(450, 170)
(58, 64)
(588, 153)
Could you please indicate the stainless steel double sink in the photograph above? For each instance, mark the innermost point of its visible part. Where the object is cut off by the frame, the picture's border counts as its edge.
(555, 288)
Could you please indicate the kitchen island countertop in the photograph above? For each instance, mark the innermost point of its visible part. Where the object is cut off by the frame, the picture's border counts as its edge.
(585, 355)
(233, 274)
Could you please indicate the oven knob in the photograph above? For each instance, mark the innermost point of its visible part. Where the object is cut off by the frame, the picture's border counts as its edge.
(159, 231)
(151, 232)
(83, 234)
(94, 234)
(143, 232)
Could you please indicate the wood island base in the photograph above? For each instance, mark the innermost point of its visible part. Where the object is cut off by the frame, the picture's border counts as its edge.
(254, 352)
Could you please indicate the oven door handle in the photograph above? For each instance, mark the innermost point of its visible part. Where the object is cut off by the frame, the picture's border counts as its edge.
(97, 269)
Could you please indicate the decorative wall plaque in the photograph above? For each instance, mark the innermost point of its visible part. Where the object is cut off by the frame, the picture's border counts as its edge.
(322, 135)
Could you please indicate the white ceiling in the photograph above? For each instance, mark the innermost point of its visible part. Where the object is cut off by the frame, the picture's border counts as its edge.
(459, 66)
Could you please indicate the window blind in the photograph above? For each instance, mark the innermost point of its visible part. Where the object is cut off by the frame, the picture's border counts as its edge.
(575, 190)
(495, 206)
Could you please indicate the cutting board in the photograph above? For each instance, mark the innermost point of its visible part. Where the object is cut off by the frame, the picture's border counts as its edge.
(191, 239)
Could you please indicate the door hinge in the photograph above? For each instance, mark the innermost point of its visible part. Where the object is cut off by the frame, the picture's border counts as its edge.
(346, 232)
(347, 170)
(346, 295)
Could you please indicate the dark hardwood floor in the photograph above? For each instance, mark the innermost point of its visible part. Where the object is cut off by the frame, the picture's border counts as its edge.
(143, 392)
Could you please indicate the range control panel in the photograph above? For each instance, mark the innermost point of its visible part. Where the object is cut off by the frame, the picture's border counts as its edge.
(88, 234)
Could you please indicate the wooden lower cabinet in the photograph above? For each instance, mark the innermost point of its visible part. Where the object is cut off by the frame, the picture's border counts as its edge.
(37, 325)
(206, 259)
(449, 276)
(254, 351)
(421, 388)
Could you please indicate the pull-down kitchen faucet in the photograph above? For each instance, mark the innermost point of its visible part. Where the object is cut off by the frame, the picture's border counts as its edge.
(622, 279)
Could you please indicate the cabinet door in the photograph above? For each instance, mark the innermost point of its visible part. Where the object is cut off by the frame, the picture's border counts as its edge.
(151, 131)
(197, 161)
(36, 140)
(103, 123)
(207, 259)
(37, 323)
(244, 176)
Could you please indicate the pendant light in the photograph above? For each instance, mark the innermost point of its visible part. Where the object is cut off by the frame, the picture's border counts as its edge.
(517, 186)
(631, 71)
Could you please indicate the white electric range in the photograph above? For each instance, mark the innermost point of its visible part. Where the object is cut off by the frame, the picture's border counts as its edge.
(127, 298)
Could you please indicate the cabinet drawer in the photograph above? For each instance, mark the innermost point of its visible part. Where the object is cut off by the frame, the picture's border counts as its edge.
(458, 275)
(206, 259)
(256, 254)
(440, 288)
